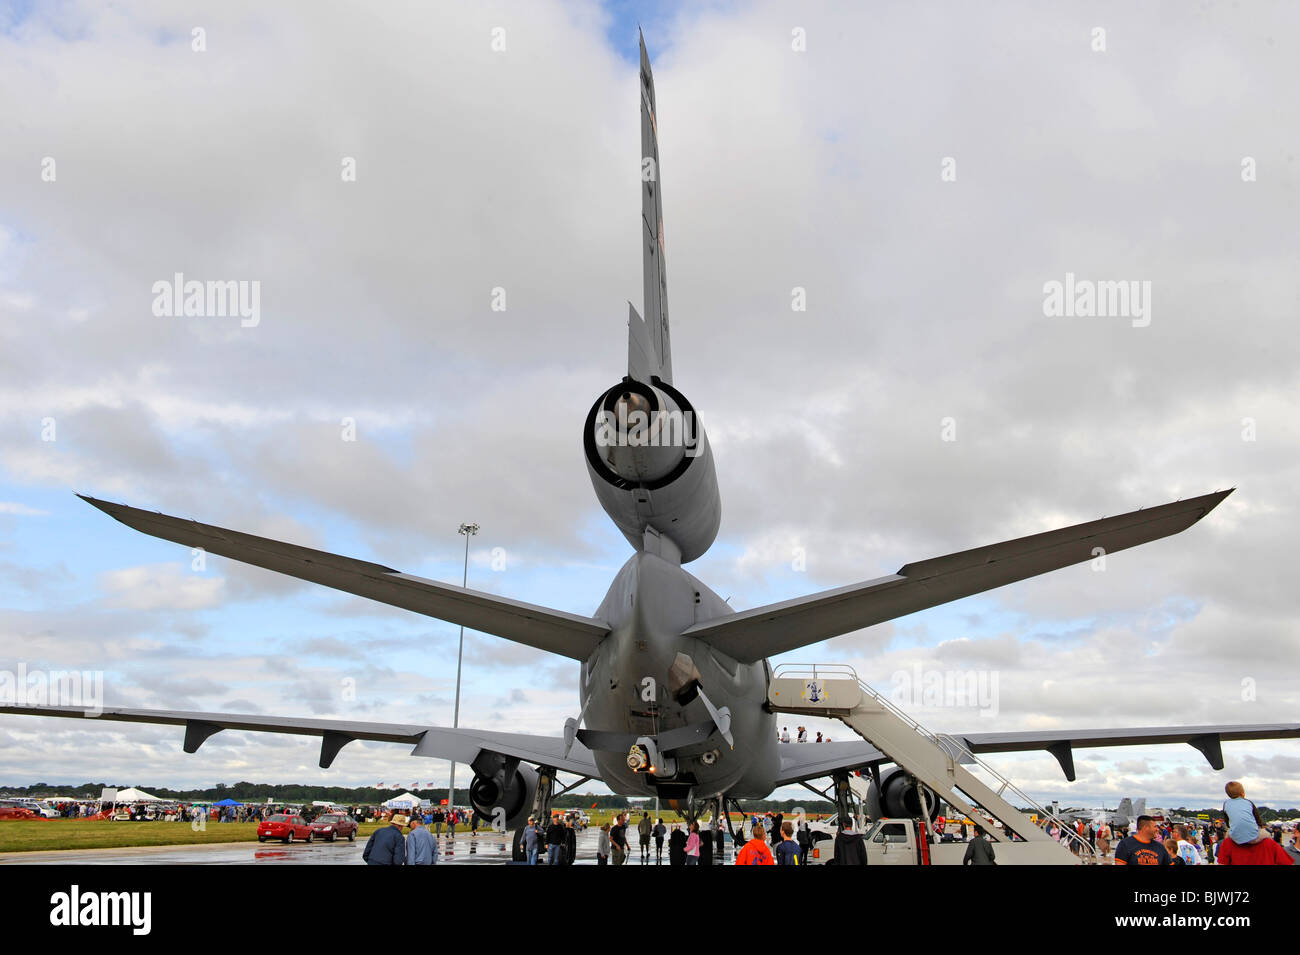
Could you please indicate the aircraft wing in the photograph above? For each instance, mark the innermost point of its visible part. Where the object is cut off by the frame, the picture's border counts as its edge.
(751, 635)
(1062, 743)
(440, 742)
(801, 761)
(567, 634)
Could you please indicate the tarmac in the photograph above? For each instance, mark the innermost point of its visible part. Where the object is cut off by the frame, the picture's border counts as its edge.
(484, 849)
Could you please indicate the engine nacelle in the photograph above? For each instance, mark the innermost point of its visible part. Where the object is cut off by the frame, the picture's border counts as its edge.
(651, 465)
(502, 791)
(897, 797)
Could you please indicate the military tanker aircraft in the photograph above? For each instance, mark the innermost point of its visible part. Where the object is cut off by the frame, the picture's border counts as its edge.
(673, 685)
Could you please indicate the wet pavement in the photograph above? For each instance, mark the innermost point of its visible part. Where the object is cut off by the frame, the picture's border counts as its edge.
(483, 849)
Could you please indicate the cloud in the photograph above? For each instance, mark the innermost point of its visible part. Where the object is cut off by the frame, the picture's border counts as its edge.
(161, 587)
(476, 171)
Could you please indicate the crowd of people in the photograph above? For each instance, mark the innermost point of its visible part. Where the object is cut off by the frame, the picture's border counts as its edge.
(1241, 838)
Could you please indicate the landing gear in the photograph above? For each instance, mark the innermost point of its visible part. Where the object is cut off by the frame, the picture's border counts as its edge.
(737, 838)
(843, 797)
(541, 814)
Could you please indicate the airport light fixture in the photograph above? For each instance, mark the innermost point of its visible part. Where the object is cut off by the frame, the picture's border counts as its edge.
(469, 530)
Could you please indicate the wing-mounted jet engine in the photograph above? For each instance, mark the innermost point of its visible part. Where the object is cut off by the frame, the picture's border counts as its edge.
(502, 789)
(896, 797)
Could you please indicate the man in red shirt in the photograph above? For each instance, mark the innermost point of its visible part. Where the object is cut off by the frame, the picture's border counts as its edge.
(1264, 852)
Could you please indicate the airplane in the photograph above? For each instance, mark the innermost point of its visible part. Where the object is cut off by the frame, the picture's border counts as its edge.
(673, 684)
(1120, 818)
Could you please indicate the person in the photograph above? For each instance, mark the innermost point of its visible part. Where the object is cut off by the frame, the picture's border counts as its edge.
(618, 839)
(1142, 848)
(438, 818)
(803, 734)
(421, 847)
(776, 828)
(1187, 849)
(819, 738)
(643, 829)
(850, 849)
(785, 734)
(660, 830)
(385, 845)
(979, 851)
(1171, 846)
(530, 841)
(718, 838)
(1293, 850)
(1260, 852)
(677, 846)
(693, 845)
(755, 851)
(602, 846)
(451, 824)
(1244, 825)
(556, 838)
(787, 850)
(805, 842)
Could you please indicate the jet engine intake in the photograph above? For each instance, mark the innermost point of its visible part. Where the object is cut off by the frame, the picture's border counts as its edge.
(651, 465)
(502, 792)
(897, 797)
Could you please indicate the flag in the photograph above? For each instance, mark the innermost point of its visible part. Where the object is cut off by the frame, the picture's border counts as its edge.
(593, 805)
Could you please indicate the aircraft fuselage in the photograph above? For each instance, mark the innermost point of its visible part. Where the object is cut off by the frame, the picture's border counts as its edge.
(625, 686)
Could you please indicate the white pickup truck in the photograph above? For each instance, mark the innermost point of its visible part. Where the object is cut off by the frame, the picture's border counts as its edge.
(899, 842)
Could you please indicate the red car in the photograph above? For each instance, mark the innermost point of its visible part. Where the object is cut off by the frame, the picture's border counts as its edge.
(285, 828)
(15, 810)
(334, 824)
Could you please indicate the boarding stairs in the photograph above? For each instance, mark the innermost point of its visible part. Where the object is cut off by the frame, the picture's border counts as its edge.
(939, 762)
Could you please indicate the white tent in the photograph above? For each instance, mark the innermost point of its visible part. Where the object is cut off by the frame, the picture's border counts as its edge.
(136, 795)
(405, 800)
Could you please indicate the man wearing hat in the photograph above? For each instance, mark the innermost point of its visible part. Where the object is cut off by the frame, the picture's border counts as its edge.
(386, 846)
(421, 847)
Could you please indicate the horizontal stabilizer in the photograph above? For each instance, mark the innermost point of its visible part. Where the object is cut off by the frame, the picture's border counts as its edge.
(751, 635)
(567, 634)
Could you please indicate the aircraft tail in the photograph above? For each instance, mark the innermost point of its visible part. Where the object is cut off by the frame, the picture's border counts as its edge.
(1125, 807)
(1139, 808)
(649, 351)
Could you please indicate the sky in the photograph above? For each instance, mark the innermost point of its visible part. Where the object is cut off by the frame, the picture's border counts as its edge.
(913, 176)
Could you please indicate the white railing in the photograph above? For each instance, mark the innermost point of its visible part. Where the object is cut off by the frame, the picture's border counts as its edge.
(949, 744)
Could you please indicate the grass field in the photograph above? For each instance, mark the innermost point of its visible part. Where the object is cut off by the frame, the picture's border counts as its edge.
(49, 834)
(32, 836)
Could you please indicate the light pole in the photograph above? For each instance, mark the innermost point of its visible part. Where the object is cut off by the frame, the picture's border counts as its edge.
(469, 530)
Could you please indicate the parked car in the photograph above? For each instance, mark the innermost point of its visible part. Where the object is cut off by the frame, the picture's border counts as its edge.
(14, 809)
(284, 827)
(331, 825)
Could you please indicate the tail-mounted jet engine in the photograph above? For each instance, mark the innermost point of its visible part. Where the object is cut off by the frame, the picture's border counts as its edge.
(897, 797)
(651, 466)
(502, 789)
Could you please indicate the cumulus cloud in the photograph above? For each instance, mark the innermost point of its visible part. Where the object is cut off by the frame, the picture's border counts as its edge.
(476, 171)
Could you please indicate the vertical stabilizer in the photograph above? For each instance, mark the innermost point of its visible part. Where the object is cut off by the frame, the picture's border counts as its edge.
(654, 274)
